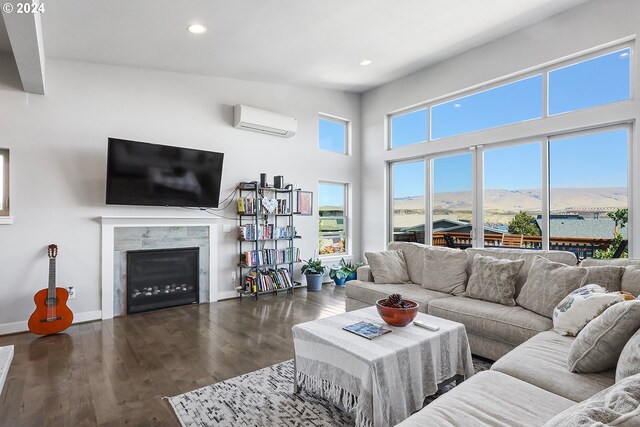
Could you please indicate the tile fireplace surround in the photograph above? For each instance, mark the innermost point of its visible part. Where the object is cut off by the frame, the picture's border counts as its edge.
(118, 233)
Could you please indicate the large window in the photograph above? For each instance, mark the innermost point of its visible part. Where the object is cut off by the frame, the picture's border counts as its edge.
(409, 128)
(333, 218)
(333, 134)
(502, 105)
(588, 191)
(513, 195)
(575, 86)
(4, 182)
(590, 83)
(453, 197)
(408, 201)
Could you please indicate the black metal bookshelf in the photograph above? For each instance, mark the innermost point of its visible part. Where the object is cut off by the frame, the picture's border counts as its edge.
(259, 216)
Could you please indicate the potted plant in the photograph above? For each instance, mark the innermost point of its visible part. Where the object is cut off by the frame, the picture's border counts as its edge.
(313, 271)
(339, 274)
(351, 268)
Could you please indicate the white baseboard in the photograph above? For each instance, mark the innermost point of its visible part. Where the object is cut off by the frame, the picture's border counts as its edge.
(12, 328)
(226, 295)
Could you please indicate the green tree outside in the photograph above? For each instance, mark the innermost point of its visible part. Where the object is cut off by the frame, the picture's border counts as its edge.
(524, 224)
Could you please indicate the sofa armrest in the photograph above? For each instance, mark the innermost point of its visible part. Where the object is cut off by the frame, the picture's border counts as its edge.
(364, 274)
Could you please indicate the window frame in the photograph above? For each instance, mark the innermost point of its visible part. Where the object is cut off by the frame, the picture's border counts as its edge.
(5, 182)
(544, 69)
(347, 132)
(345, 218)
(390, 117)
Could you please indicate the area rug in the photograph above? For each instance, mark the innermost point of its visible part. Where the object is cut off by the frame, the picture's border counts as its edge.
(265, 398)
(6, 356)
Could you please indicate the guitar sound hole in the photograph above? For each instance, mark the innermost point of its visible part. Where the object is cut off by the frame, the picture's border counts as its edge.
(51, 302)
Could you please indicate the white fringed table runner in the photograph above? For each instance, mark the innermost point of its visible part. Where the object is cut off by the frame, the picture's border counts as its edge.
(384, 380)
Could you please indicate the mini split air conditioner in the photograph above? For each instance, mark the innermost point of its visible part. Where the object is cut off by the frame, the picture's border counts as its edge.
(264, 121)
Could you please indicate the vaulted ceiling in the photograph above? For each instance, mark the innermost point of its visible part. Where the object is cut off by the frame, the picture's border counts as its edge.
(308, 42)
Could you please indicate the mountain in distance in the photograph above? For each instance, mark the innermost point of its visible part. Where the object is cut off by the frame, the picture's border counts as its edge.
(562, 199)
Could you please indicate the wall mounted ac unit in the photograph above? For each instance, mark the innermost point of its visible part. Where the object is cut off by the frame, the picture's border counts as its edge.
(264, 121)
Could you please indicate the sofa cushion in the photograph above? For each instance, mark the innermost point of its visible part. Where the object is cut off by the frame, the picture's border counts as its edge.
(581, 307)
(413, 256)
(619, 405)
(512, 325)
(369, 292)
(548, 283)
(493, 279)
(598, 346)
(490, 399)
(528, 255)
(388, 266)
(364, 273)
(631, 280)
(629, 362)
(542, 361)
(607, 276)
(445, 270)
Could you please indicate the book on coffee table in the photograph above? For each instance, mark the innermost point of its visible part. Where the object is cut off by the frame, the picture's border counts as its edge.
(366, 330)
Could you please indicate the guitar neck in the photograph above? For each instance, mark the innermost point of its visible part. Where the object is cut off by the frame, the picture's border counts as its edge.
(52, 278)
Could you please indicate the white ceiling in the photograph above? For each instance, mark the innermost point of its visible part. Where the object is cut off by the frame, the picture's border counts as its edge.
(308, 42)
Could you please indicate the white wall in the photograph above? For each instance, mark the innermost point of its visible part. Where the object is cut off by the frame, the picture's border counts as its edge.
(58, 162)
(593, 24)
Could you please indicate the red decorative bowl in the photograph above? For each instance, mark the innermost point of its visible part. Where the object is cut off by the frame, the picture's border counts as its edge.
(397, 316)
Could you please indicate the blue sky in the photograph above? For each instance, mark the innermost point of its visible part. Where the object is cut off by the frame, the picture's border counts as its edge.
(575, 162)
(332, 135)
(331, 194)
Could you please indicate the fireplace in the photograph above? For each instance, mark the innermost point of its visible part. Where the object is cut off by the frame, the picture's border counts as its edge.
(162, 278)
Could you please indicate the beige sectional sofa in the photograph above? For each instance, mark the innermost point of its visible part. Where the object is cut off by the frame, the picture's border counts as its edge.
(493, 329)
(529, 383)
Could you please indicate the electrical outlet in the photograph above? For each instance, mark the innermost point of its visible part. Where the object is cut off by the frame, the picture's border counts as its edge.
(72, 292)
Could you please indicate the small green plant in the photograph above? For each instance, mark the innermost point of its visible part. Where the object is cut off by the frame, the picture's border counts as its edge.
(339, 272)
(313, 266)
(349, 266)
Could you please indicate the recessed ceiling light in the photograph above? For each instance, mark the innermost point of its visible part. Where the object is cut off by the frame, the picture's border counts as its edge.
(457, 105)
(366, 62)
(624, 54)
(197, 29)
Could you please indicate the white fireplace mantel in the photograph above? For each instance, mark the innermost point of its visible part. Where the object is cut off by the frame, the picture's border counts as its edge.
(110, 223)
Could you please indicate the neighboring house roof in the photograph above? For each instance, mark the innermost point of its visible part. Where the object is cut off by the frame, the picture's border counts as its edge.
(450, 226)
(573, 227)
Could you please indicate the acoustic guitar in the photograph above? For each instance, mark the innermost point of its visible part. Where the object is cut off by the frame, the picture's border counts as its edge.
(52, 314)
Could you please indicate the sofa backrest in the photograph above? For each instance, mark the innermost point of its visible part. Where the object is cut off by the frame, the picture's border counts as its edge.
(528, 255)
(629, 283)
(413, 256)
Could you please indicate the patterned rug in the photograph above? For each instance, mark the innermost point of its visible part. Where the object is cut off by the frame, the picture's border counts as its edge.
(265, 398)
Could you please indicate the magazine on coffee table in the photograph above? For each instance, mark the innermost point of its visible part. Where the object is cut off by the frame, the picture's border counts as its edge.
(366, 330)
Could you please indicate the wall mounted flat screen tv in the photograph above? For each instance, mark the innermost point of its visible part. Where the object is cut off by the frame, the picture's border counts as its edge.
(139, 173)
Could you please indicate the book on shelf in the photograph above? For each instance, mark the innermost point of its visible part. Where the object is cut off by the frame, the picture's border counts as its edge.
(270, 256)
(366, 330)
(264, 232)
(267, 280)
(252, 205)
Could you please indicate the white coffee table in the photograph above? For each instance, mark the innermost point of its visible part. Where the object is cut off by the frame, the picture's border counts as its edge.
(384, 380)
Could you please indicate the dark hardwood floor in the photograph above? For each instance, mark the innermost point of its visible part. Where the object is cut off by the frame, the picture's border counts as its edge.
(115, 373)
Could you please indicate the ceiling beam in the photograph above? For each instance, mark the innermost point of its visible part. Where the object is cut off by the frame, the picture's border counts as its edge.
(25, 35)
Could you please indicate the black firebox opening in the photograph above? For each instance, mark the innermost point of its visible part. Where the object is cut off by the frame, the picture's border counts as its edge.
(162, 278)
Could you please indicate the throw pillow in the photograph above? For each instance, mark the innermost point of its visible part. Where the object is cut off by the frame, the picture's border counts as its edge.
(547, 284)
(493, 279)
(445, 270)
(618, 405)
(388, 266)
(631, 280)
(598, 346)
(629, 362)
(581, 307)
(607, 276)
